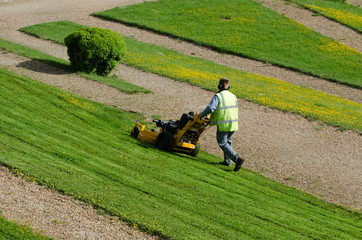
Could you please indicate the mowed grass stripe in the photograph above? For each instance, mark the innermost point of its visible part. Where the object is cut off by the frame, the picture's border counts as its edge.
(46, 138)
(94, 159)
(246, 28)
(263, 90)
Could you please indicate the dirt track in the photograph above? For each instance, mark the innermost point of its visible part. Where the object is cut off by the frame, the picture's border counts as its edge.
(285, 147)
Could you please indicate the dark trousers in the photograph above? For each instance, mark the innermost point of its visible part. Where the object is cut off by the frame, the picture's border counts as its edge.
(224, 139)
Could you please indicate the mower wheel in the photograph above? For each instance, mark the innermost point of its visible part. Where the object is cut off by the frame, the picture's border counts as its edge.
(196, 151)
(135, 131)
(165, 141)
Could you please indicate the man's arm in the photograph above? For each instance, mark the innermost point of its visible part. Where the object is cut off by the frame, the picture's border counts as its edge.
(214, 103)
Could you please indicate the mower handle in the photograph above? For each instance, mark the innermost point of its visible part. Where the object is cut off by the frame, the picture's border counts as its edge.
(159, 123)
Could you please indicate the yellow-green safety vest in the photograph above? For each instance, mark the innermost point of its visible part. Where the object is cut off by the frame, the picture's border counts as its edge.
(226, 115)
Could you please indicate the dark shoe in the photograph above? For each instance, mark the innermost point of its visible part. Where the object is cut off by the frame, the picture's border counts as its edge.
(225, 163)
(238, 164)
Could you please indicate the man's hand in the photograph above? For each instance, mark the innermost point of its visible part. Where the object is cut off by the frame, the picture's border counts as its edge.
(204, 117)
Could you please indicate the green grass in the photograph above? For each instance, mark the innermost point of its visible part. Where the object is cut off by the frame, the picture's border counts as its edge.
(115, 82)
(266, 91)
(10, 230)
(65, 65)
(64, 28)
(83, 149)
(34, 54)
(246, 28)
(339, 11)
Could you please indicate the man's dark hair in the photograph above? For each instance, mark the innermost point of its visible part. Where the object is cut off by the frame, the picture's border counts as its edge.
(223, 84)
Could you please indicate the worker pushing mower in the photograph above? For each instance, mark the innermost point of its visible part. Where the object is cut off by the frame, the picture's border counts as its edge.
(183, 135)
(224, 111)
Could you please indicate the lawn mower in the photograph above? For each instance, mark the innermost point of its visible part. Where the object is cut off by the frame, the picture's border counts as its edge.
(174, 135)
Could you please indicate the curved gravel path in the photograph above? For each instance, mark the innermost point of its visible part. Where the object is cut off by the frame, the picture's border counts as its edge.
(285, 147)
(16, 19)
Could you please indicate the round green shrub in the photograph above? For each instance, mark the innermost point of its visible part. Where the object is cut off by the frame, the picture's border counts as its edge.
(95, 50)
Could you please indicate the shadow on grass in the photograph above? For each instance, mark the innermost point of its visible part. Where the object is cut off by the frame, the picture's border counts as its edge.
(202, 157)
(46, 66)
(199, 158)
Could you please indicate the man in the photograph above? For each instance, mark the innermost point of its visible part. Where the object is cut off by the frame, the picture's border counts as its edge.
(224, 113)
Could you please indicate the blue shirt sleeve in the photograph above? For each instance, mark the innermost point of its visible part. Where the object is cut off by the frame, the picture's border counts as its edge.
(214, 103)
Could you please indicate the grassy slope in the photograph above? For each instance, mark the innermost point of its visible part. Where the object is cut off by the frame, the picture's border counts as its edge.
(83, 149)
(246, 28)
(113, 81)
(339, 11)
(263, 90)
(10, 230)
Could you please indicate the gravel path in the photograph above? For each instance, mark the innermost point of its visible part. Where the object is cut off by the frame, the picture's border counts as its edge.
(285, 147)
(57, 215)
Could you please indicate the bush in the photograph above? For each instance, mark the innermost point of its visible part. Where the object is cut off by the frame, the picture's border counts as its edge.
(95, 50)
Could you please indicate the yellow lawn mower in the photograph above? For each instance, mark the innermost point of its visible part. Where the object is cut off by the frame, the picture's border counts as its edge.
(175, 135)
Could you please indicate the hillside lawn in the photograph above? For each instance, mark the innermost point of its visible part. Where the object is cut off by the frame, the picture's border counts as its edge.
(263, 90)
(84, 149)
(246, 28)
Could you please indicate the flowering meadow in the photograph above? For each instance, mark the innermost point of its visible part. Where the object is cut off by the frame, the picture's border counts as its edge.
(263, 90)
(246, 28)
(339, 11)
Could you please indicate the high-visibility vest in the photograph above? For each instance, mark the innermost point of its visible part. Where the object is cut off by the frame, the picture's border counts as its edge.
(226, 115)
